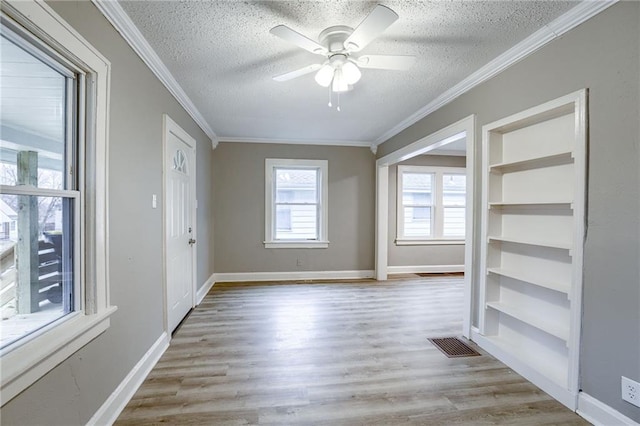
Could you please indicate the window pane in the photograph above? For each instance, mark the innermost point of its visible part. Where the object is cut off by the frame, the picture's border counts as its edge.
(454, 190)
(32, 119)
(296, 185)
(283, 218)
(417, 221)
(296, 222)
(36, 267)
(453, 222)
(416, 188)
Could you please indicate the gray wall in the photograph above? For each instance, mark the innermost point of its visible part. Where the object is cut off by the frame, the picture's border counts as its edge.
(72, 392)
(238, 214)
(603, 56)
(428, 254)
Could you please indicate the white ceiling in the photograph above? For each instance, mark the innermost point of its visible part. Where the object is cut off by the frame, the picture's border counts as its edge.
(223, 56)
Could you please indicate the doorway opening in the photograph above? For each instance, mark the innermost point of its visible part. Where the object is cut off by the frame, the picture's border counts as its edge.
(452, 139)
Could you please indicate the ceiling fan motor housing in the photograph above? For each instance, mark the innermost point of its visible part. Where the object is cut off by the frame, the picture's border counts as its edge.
(333, 38)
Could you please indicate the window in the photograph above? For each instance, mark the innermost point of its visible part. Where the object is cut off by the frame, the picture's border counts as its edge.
(37, 157)
(54, 296)
(296, 203)
(431, 205)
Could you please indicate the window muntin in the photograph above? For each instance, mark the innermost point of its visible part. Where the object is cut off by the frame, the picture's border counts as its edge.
(295, 203)
(38, 158)
(431, 203)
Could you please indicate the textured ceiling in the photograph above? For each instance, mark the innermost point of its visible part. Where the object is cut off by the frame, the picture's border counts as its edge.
(223, 56)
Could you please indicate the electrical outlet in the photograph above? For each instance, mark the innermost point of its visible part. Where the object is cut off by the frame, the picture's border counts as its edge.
(631, 391)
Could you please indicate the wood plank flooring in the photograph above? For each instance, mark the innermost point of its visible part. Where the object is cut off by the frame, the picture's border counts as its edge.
(335, 353)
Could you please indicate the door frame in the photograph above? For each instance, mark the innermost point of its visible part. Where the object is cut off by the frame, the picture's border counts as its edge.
(169, 126)
(423, 146)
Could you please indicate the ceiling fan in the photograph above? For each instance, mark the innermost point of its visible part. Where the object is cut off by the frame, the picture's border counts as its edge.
(340, 45)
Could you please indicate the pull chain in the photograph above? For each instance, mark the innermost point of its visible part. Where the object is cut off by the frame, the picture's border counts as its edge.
(330, 104)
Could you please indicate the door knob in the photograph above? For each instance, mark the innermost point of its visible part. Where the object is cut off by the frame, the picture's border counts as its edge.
(191, 241)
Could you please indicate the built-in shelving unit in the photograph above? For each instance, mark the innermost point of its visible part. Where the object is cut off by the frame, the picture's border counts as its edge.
(532, 242)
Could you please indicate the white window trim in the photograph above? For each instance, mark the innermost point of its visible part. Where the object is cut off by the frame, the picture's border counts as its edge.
(436, 205)
(34, 356)
(269, 238)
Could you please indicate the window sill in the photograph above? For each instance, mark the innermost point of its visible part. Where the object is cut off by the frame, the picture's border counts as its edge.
(24, 365)
(297, 244)
(429, 242)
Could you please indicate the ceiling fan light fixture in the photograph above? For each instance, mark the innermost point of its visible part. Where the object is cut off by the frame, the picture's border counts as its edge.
(325, 75)
(339, 82)
(351, 73)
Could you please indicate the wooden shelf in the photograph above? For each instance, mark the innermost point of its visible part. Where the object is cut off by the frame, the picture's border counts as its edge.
(537, 320)
(533, 163)
(530, 242)
(527, 204)
(523, 276)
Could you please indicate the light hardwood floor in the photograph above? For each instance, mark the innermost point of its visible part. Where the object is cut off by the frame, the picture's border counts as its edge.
(333, 353)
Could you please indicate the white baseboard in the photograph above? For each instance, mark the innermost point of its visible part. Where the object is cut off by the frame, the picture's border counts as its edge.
(202, 291)
(291, 276)
(599, 413)
(424, 269)
(113, 406)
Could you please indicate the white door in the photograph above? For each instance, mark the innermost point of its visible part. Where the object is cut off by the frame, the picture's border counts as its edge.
(179, 223)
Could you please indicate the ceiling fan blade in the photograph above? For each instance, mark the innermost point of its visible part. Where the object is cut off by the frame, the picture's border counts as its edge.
(386, 62)
(373, 25)
(297, 73)
(294, 37)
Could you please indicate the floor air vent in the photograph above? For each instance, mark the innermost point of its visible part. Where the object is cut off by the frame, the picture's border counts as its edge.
(439, 274)
(453, 347)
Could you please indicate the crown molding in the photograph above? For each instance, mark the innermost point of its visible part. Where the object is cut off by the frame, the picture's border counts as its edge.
(571, 19)
(326, 142)
(116, 15)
